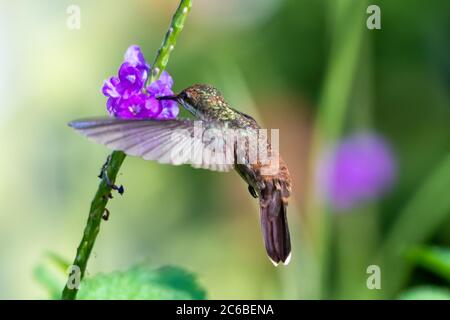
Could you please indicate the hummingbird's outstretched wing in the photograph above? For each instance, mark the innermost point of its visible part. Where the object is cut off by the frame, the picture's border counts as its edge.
(166, 141)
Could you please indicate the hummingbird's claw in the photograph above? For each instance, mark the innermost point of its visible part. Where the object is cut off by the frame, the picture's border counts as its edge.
(103, 174)
(103, 169)
(120, 189)
(252, 192)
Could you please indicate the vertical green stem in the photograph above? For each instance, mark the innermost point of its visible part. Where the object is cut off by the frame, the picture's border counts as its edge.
(117, 157)
(347, 25)
(353, 257)
(170, 40)
(94, 219)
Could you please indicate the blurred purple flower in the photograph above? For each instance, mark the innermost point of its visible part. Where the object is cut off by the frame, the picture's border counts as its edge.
(127, 97)
(361, 168)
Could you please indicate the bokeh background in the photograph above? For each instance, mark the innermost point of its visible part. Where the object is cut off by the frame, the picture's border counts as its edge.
(310, 68)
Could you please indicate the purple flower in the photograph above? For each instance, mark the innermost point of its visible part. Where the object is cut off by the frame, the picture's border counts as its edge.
(361, 168)
(135, 57)
(131, 79)
(127, 97)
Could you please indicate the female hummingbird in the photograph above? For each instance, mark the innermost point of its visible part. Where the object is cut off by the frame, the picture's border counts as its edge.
(160, 140)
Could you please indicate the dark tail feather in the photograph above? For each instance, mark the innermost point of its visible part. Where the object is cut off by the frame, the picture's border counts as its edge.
(274, 225)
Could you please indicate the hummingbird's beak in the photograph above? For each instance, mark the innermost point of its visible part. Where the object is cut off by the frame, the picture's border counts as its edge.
(172, 97)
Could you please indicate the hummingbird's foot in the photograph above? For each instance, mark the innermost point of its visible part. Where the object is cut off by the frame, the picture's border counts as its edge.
(252, 192)
(103, 169)
(120, 189)
(103, 174)
(105, 215)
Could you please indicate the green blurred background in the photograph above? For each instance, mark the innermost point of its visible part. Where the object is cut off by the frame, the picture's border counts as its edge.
(310, 68)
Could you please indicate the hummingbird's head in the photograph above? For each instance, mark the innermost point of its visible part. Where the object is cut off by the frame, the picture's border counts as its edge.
(199, 99)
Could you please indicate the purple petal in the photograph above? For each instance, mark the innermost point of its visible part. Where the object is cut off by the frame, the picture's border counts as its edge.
(131, 108)
(112, 105)
(155, 88)
(159, 89)
(153, 107)
(110, 87)
(170, 110)
(165, 79)
(134, 56)
(131, 78)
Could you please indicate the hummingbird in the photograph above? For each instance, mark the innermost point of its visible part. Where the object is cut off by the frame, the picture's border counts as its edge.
(156, 140)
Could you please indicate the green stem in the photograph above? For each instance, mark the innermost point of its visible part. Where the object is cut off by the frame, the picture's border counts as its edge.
(94, 219)
(347, 33)
(170, 40)
(117, 157)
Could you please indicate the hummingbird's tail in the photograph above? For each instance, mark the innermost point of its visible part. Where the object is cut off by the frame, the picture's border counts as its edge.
(274, 224)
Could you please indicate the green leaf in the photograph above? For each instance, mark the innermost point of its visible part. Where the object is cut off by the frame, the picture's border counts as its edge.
(142, 283)
(423, 215)
(48, 279)
(434, 259)
(426, 293)
(50, 273)
(58, 261)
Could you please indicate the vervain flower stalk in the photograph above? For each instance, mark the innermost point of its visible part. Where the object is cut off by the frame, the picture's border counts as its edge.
(130, 97)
